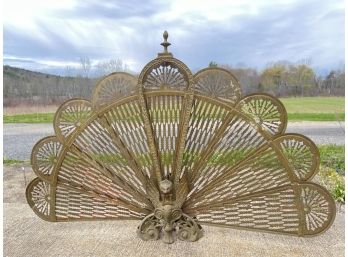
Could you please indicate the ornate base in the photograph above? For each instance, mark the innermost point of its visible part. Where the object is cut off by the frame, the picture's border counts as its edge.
(169, 223)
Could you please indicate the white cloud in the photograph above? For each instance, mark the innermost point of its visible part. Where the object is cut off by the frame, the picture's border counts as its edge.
(250, 31)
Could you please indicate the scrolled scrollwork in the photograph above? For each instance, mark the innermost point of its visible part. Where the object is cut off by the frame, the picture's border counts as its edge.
(166, 221)
(149, 228)
(188, 229)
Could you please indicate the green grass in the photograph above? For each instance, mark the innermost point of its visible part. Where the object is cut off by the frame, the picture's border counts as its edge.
(316, 116)
(333, 156)
(12, 161)
(314, 104)
(29, 118)
(298, 109)
(314, 108)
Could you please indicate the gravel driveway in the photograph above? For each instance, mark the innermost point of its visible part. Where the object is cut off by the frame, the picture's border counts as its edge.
(19, 139)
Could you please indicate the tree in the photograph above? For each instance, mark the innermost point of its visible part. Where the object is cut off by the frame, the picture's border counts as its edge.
(275, 78)
(302, 77)
(85, 66)
(212, 64)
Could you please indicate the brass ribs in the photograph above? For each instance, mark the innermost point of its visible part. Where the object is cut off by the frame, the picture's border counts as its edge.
(178, 150)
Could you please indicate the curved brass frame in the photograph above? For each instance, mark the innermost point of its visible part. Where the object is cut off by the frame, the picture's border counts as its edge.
(178, 150)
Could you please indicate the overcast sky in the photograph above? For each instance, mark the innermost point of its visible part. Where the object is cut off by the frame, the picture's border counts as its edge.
(49, 35)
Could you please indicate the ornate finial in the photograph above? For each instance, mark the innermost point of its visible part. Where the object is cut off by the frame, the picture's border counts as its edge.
(165, 43)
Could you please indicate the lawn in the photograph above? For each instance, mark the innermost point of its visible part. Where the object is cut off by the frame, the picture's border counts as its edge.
(29, 118)
(314, 108)
(314, 104)
(298, 108)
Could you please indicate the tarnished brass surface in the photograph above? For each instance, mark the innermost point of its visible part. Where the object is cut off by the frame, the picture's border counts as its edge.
(176, 150)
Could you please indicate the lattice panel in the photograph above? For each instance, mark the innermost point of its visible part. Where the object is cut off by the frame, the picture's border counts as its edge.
(274, 211)
(127, 122)
(259, 172)
(302, 210)
(165, 117)
(77, 170)
(99, 144)
(177, 150)
(237, 139)
(73, 204)
(205, 119)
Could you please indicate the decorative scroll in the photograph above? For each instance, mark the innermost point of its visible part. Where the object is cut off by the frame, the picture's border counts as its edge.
(176, 151)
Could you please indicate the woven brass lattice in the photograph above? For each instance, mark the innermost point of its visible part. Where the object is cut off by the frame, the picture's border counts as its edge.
(178, 150)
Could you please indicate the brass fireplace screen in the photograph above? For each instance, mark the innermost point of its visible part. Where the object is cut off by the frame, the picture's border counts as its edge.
(178, 150)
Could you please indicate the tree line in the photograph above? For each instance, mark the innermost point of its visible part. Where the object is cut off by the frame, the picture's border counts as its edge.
(286, 79)
(282, 79)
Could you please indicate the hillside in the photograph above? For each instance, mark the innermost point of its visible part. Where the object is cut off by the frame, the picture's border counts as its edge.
(22, 85)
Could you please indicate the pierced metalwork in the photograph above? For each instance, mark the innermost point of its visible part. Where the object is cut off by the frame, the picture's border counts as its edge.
(178, 150)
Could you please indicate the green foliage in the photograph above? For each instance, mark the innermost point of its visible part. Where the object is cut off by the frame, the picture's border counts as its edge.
(333, 156)
(333, 182)
(212, 64)
(332, 170)
(339, 193)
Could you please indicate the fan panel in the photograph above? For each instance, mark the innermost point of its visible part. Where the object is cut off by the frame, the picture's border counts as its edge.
(301, 153)
(113, 87)
(165, 75)
(319, 209)
(70, 117)
(301, 209)
(205, 119)
(266, 111)
(44, 157)
(126, 121)
(39, 198)
(82, 173)
(263, 170)
(239, 138)
(165, 117)
(100, 145)
(218, 83)
(275, 211)
(73, 204)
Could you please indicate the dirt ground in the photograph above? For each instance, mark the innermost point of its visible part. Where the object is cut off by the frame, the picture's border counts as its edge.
(27, 235)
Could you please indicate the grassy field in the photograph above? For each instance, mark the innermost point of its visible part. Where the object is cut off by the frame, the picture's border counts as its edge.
(298, 108)
(314, 108)
(29, 118)
(314, 104)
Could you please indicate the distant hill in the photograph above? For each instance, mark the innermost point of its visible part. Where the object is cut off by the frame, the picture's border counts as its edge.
(28, 86)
